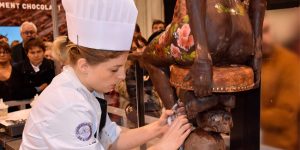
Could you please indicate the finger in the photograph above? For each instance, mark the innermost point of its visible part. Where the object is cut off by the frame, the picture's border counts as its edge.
(179, 122)
(167, 113)
(185, 135)
(181, 117)
(176, 124)
(181, 111)
(186, 126)
(180, 104)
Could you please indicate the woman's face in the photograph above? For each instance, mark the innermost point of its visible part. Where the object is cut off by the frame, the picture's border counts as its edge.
(138, 47)
(103, 77)
(48, 54)
(35, 55)
(4, 56)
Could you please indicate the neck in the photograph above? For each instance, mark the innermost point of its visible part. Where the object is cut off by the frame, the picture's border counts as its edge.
(36, 65)
(82, 78)
(4, 64)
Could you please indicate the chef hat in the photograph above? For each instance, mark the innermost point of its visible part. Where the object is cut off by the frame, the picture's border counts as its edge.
(101, 24)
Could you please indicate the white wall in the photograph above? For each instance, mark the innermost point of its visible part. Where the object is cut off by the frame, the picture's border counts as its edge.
(285, 23)
(149, 10)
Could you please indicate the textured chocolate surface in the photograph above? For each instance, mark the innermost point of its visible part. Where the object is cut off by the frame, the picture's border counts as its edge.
(234, 78)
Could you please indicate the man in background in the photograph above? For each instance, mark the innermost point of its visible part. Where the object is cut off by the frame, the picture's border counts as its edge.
(28, 30)
(158, 25)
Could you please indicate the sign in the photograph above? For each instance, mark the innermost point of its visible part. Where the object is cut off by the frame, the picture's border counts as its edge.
(14, 13)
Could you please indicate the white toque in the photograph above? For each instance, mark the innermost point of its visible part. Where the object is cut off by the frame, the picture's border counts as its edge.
(101, 24)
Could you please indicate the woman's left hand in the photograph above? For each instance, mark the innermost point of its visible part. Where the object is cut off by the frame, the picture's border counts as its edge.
(175, 133)
(163, 123)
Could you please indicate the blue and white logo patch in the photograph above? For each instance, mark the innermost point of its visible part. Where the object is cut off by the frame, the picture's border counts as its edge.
(84, 131)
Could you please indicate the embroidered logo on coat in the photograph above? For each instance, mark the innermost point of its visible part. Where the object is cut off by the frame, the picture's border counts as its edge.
(84, 131)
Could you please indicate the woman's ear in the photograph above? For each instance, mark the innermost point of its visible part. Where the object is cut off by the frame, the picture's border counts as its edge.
(82, 66)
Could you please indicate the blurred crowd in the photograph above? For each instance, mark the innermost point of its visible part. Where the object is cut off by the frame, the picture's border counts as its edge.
(280, 92)
(25, 71)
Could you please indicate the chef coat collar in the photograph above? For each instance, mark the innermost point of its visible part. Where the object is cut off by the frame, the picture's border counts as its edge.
(69, 70)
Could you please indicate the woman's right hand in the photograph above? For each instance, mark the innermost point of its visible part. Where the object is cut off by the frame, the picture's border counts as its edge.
(175, 135)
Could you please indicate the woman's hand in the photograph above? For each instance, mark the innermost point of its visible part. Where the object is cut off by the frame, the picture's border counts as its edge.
(174, 134)
(162, 122)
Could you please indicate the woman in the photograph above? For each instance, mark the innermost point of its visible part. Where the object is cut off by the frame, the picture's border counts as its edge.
(71, 95)
(9, 78)
(37, 72)
(70, 113)
(6, 70)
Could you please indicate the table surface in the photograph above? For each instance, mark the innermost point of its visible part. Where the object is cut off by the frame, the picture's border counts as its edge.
(13, 145)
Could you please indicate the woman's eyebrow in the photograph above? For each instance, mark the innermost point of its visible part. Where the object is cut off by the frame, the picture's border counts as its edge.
(117, 66)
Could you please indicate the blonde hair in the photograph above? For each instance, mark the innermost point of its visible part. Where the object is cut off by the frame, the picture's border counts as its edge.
(48, 45)
(59, 49)
(92, 56)
(66, 51)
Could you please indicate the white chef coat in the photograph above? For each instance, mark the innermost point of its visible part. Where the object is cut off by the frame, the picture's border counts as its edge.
(67, 116)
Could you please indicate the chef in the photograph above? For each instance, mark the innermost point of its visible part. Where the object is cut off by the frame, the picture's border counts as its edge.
(71, 112)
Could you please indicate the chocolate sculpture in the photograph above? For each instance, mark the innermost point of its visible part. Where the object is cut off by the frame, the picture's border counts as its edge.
(213, 48)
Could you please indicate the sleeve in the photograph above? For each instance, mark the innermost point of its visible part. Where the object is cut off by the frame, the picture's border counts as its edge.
(72, 128)
(109, 133)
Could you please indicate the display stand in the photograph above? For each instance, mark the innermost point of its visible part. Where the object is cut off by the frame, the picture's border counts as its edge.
(245, 134)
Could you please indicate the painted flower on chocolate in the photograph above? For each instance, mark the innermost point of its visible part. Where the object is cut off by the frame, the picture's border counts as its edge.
(162, 38)
(185, 40)
(175, 52)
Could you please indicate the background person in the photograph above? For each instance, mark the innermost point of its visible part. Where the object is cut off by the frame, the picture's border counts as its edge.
(48, 51)
(14, 43)
(36, 72)
(6, 72)
(280, 97)
(3, 38)
(137, 31)
(28, 30)
(9, 78)
(158, 25)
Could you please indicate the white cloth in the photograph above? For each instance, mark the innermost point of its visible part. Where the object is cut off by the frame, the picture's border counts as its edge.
(36, 68)
(66, 116)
